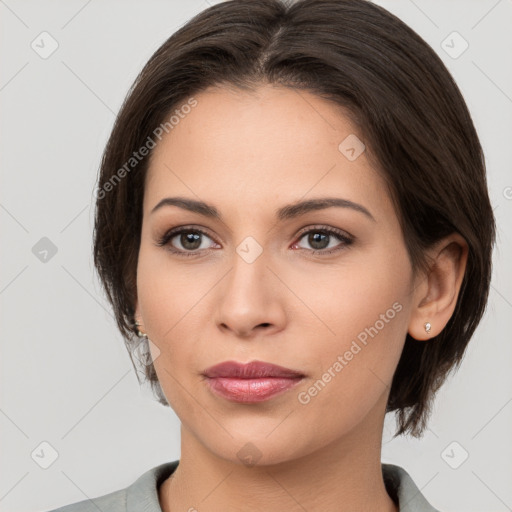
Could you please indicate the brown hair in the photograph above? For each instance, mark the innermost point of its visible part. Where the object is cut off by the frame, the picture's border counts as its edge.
(416, 127)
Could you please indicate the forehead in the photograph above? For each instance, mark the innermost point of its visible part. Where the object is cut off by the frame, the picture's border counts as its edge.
(262, 148)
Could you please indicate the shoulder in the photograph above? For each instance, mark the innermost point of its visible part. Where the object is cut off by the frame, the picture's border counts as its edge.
(402, 489)
(111, 502)
(140, 495)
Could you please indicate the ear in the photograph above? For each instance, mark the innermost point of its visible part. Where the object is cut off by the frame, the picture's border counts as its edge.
(435, 294)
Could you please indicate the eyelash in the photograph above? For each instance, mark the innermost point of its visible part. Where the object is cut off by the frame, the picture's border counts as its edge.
(340, 235)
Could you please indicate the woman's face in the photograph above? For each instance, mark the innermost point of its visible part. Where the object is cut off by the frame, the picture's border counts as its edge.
(274, 288)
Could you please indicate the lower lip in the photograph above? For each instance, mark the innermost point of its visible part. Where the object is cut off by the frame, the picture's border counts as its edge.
(250, 390)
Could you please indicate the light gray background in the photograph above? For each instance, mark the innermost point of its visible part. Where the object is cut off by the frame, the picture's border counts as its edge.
(66, 377)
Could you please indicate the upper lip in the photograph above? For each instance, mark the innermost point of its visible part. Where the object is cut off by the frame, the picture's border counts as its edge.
(252, 370)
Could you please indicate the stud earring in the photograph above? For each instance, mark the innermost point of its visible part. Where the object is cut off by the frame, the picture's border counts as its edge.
(140, 334)
(428, 326)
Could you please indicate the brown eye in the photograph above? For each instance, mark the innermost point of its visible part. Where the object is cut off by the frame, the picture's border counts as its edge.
(324, 240)
(185, 241)
(189, 240)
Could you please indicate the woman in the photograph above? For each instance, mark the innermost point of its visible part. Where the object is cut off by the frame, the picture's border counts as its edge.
(294, 231)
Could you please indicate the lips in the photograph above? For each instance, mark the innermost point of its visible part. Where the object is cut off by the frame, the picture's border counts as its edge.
(250, 383)
(252, 370)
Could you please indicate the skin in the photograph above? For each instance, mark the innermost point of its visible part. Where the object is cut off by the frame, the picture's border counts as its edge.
(249, 154)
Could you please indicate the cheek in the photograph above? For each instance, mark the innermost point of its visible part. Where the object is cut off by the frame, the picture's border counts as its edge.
(166, 302)
(166, 292)
(364, 309)
(172, 302)
(161, 302)
(352, 295)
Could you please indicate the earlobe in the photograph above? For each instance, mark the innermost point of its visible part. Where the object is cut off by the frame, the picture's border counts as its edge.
(435, 299)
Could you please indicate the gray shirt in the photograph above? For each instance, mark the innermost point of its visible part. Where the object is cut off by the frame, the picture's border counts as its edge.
(142, 495)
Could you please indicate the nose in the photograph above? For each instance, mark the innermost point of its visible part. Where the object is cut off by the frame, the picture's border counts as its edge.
(251, 299)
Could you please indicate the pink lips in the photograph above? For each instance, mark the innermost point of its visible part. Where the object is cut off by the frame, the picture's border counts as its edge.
(250, 383)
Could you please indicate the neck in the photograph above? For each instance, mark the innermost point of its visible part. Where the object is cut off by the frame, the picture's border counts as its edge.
(343, 476)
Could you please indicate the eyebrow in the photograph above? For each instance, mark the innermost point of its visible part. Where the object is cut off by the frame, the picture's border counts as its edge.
(287, 212)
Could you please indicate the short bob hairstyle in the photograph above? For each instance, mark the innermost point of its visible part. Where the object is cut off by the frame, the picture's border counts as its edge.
(395, 89)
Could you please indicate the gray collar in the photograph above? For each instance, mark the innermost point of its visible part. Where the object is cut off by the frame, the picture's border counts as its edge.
(402, 489)
(142, 495)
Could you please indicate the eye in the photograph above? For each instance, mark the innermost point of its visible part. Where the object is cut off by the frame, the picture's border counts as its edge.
(323, 239)
(191, 241)
(185, 241)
